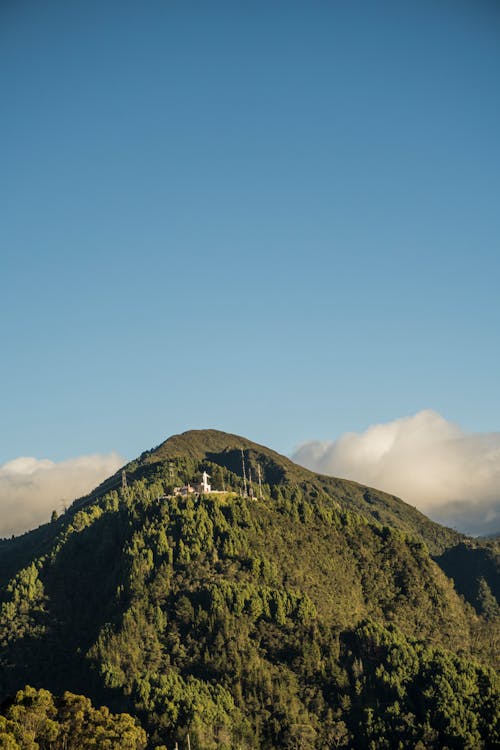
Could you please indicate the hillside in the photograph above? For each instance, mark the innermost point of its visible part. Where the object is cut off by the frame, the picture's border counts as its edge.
(309, 614)
(213, 447)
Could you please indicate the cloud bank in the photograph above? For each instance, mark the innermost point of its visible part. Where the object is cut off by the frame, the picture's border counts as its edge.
(31, 488)
(450, 475)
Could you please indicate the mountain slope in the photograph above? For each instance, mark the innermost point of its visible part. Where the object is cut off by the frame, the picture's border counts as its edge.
(286, 620)
(197, 447)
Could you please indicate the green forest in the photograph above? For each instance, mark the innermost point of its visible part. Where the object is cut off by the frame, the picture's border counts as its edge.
(306, 613)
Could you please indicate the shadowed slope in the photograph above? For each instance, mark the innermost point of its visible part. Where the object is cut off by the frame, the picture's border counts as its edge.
(272, 621)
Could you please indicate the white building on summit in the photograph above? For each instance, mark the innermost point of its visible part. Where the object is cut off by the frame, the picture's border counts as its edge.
(202, 487)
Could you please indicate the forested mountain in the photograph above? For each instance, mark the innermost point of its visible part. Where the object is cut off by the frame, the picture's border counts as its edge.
(307, 612)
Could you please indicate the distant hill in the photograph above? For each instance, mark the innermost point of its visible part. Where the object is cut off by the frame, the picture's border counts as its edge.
(310, 613)
(224, 450)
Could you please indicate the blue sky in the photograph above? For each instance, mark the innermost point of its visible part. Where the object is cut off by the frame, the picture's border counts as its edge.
(274, 218)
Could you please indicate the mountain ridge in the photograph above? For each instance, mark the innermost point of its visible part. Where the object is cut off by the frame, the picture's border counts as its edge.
(282, 620)
(219, 447)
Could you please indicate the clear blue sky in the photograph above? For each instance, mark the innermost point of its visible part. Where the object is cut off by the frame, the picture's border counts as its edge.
(274, 218)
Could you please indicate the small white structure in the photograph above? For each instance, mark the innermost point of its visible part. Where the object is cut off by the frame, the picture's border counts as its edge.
(202, 488)
(186, 490)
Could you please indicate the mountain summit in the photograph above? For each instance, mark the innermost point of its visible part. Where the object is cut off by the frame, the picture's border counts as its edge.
(282, 609)
(222, 450)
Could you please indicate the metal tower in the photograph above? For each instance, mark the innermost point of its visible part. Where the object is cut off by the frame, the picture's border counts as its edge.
(244, 474)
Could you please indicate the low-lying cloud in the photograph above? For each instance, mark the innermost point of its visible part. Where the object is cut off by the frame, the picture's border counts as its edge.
(448, 474)
(31, 488)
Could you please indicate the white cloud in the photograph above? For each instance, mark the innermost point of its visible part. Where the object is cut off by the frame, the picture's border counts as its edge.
(31, 488)
(452, 476)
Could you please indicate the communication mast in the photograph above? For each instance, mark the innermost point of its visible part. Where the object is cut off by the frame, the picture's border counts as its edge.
(250, 488)
(260, 481)
(244, 474)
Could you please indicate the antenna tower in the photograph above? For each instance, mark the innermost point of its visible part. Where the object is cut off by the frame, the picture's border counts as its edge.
(250, 488)
(260, 481)
(244, 473)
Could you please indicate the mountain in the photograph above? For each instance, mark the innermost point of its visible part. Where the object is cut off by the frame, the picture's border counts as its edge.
(310, 611)
(220, 449)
